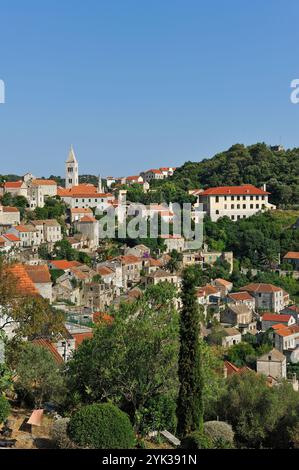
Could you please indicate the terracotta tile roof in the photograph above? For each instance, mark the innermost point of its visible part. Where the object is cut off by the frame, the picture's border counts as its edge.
(48, 222)
(25, 228)
(13, 184)
(42, 182)
(86, 189)
(154, 170)
(25, 285)
(294, 308)
(241, 296)
(10, 209)
(292, 255)
(260, 287)
(129, 259)
(155, 262)
(80, 337)
(11, 237)
(133, 178)
(206, 291)
(64, 264)
(87, 219)
(104, 271)
(276, 317)
(77, 210)
(232, 369)
(39, 274)
(246, 189)
(47, 344)
(223, 282)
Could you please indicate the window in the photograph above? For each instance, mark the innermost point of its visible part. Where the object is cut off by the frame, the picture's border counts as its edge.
(244, 206)
(217, 198)
(232, 206)
(232, 198)
(233, 217)
(257, 206)
(238, 206)
(251, 206)
(217, 212)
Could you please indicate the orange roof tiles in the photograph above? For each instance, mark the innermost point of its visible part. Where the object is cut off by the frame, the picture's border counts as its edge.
(246, 189)
(104, 270)
(11, 237)
(80, 337)
(241, 296)
(260, 287)
(276, 317)
(25, 286)
(42, 182)
(292, 255)
(64, 264)
(10, 209)
(77, 210)
(13, 184)
(38, 274)
(87, 219)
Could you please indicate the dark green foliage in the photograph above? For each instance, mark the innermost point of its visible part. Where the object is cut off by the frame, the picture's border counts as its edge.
(196, 440)
(260, 416)
(54, 208)
(4, 408)
(55, 274)
(159, 414)
(255, 164)
(190, 400)
(101, 426)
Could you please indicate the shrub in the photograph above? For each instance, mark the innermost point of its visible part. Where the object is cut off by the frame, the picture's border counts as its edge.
(59, 434)
(196, 440)
(101, 426)
(4, 408)
(159, 414)
(220, 433)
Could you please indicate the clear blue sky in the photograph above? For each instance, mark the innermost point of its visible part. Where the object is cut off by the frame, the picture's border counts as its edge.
(136, 84)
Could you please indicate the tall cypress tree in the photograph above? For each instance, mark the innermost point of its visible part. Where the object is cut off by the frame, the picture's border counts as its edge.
(190, 399)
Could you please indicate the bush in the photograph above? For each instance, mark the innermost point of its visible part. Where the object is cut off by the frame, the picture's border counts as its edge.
(158, 415)
(4, 408)
(101, 426)
(220, 433)
(196, 440)
(59, 434)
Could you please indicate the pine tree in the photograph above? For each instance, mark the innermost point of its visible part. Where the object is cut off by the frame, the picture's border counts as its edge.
(190, 399)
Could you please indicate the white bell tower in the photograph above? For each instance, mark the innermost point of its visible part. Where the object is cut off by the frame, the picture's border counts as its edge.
(71, 170)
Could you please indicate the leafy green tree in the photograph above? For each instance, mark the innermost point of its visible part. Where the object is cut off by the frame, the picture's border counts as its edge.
(190, 400)
(38, 376)
(101, 426)
(241, 354)
(142, 342)
(4, 408)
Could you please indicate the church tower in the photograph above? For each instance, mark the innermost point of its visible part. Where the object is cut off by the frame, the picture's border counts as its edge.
(71, 170)
(100, 186)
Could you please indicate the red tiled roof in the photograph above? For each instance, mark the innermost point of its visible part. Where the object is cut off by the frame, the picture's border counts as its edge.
(42, 182)
(80, 337)
(47, 344)
(260, 287)
(129, 259)
(276, 317)
(240, 296)
(223, 282)
(88, 219)
(207, 290)
(77, 210)
(11, 237)
(246, 189)
(10, 209)
(38, 274)
(292, 255)
(104, 271)
(64, 264)
(24, 283)
(13, 184)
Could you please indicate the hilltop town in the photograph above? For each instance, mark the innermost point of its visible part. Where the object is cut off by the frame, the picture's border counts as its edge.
(103, 314)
